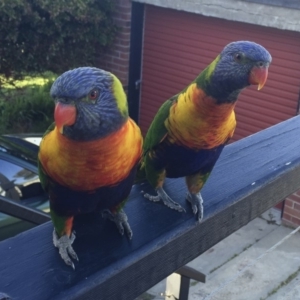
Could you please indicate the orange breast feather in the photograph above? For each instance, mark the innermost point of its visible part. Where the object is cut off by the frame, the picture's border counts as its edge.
(89, 165)
(197, 122)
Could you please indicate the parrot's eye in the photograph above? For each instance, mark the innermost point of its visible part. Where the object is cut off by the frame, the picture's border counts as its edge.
(238, 57)
(93, 94)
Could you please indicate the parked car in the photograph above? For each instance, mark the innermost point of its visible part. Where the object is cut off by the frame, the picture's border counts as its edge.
(19, 180)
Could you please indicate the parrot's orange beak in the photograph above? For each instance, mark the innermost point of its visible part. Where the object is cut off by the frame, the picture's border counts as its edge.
(64, 114)
(258, 75)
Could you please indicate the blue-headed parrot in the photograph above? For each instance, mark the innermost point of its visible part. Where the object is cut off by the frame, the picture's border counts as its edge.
(89, 155)
(190, 129)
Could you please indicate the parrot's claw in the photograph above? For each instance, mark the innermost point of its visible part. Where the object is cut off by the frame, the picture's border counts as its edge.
(152, 198)
(121, 221)
(162, 195)
(197, 204)
(64, 245)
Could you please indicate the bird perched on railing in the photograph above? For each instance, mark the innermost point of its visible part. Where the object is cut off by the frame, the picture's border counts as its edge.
(88, 157)
(191, 128)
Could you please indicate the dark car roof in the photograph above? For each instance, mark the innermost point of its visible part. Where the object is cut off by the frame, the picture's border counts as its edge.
(19, 148)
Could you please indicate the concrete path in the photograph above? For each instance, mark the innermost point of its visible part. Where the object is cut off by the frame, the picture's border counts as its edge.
(234, 273)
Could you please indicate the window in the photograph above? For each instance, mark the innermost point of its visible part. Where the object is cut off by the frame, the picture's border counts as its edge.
(18, 183)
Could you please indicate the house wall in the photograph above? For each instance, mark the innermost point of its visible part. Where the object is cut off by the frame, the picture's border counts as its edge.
(174, 53)
(291, 212)
(116, 60)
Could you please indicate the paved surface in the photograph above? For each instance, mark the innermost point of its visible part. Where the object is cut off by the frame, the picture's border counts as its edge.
(234, 272)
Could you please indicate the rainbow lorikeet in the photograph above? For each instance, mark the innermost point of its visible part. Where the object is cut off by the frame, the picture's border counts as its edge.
(88, 157)
(191, 128)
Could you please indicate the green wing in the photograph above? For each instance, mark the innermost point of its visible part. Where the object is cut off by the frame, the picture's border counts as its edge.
(155, 134)
(157, 130)
(42, 175)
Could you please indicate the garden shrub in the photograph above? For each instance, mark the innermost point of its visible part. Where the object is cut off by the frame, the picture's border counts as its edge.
(53, 35)
(28, 109)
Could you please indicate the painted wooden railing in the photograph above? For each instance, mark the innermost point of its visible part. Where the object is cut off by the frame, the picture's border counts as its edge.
(251, 176)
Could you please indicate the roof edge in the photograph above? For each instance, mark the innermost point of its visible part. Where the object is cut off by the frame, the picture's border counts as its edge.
(242, 11)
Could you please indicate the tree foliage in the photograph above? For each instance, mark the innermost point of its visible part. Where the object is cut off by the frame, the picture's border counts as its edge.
(53, 35)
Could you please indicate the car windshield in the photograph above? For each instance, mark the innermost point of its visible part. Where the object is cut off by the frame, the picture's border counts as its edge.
(19, 148)
(18, 183)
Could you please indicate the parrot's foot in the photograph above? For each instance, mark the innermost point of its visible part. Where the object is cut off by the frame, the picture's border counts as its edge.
(197, 204)
(64, 245)
(120, 219)
(162, 195)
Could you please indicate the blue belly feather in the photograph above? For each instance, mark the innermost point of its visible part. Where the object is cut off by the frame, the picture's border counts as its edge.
(180, 161)
(67, 202)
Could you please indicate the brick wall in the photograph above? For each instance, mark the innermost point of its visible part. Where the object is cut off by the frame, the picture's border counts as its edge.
(291, 212)
(116, 60)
